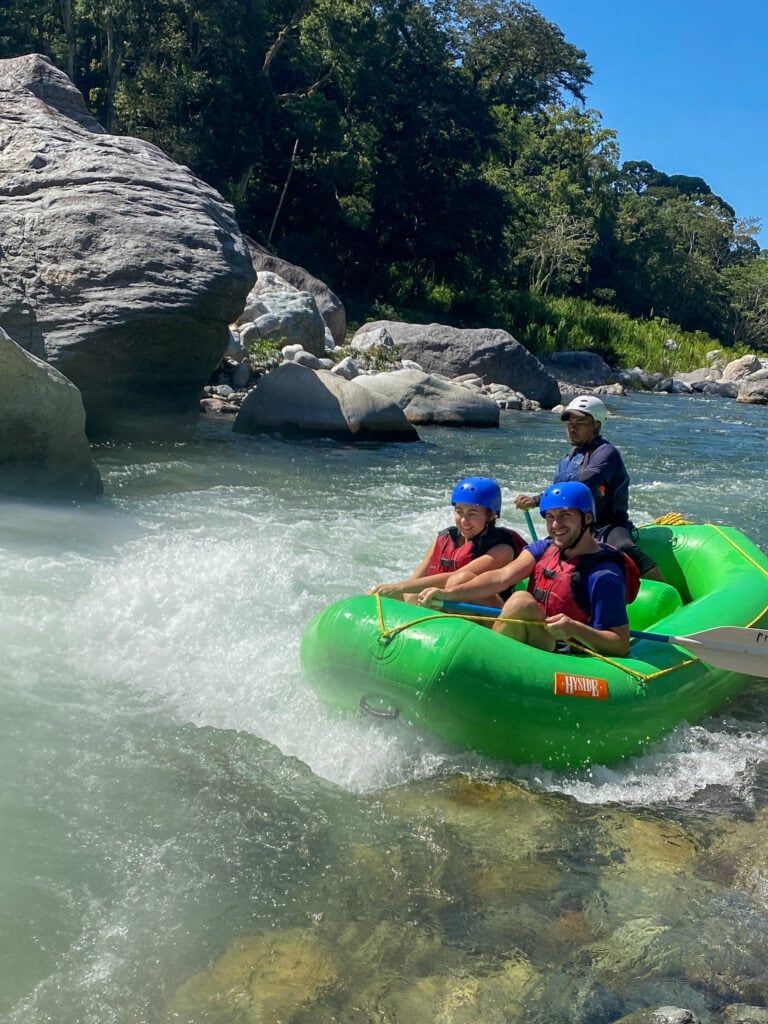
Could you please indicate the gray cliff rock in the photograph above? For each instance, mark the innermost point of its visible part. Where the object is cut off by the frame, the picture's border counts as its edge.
(492, 354)
(43, 448)
(290, 316)
(742, 367)
(119, 267)
(583, 367)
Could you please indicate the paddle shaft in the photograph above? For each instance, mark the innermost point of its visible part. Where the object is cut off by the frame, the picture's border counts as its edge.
(531, 527)
(460, 608)
(733, 648)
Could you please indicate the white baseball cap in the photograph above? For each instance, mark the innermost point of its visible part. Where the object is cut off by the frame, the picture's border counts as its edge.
(588, 405)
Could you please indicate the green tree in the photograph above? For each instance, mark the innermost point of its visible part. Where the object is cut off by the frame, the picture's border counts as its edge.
(748, 289)
(557, 170)
(513, 55)
(33, 26)
(666, 260)
(667, 247)
(558, 251)
(190, 83)
(389, 141)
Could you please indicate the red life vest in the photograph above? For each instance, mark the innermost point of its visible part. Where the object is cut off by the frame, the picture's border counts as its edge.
(560, 585)
(451, 551)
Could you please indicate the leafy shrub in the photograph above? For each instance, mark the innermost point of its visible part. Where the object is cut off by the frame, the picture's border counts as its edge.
(547, 324)
(265, 351)
(379, 359)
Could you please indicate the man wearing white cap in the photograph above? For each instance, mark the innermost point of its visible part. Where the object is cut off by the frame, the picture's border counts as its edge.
(595, 462)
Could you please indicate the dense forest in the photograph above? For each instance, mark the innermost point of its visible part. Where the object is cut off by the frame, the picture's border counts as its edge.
(427, 159)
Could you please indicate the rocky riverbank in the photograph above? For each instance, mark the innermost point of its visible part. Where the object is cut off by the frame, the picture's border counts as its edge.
(415, 374)
(136, 291)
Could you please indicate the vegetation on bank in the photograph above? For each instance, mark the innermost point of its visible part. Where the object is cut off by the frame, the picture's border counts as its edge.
(557, 324)
(547, 324)
(429, 160)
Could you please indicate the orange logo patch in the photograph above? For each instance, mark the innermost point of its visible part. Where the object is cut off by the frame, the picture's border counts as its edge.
(567, 685)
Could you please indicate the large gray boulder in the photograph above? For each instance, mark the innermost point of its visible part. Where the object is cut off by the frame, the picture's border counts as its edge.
(288, 316)
(43, 448)
(330, 305)
(753, 390)
(489, 353)
(295, 401)
(581, 367)
(673, 386)
(426, 399)
(742, 367)
(636, 379)
(119, 267)
(703, 375)
(718, 388)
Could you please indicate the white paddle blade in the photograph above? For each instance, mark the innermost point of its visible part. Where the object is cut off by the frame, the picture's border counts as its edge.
(734, 648)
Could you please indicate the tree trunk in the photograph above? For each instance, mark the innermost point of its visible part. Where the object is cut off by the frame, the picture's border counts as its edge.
(114, 69)
(67, 21)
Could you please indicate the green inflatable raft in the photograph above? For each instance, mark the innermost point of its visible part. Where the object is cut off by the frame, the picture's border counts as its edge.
(454, 677)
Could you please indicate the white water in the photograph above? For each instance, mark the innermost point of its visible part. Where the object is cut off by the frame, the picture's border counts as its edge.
(154, 707)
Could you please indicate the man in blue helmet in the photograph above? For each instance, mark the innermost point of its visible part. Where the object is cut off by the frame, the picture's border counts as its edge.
(475, 541)
(594, 461)
(578, 588)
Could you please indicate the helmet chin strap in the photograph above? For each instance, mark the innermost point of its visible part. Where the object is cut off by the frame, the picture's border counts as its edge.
(584, 527)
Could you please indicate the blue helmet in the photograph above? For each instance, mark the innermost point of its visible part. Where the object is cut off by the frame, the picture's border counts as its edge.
(568, 495)
(478, 490)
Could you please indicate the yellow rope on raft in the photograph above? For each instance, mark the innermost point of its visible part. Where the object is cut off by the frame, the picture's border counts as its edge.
(394, 630)
(427, 618)
(671, 519)
(675, 519)
(741, 551)
(668, 519)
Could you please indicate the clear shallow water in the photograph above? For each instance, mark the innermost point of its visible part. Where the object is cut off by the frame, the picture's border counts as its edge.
(171, 783)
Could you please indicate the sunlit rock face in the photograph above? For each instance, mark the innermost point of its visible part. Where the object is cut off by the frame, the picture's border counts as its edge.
(119, 267)
(494, 355)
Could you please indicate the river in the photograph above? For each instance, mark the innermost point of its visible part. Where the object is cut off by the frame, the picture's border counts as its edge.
(177, 806)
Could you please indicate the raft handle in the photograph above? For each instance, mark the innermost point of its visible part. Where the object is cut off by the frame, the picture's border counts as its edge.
(365, 706)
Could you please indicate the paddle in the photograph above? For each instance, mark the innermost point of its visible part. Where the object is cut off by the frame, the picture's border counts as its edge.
(531, 527)
(734, 648)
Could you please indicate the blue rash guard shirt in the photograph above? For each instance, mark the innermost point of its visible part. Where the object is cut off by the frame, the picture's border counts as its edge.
(606, 590)
(600, 466)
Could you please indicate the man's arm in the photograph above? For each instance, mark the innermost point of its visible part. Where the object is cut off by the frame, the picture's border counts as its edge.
(601, 471)
(486, 584)
(613, 641)
(608, 629)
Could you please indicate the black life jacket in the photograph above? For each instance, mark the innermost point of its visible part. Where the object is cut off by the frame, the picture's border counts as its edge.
(451, 551)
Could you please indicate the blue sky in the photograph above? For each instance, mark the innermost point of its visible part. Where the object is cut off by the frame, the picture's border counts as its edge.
(684, 83)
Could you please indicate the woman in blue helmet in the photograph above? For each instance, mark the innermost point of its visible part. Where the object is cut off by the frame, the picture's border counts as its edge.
(578, 588)
(474, 542)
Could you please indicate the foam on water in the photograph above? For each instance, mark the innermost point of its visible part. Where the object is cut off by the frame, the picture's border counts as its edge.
(192, 585)
(209, 630)
(208, 620)
(157, 727)
(690, 761)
